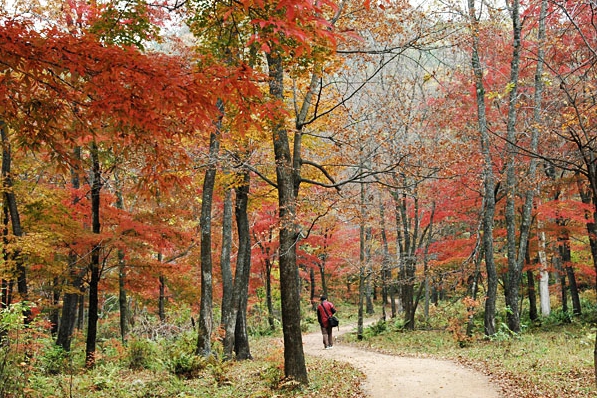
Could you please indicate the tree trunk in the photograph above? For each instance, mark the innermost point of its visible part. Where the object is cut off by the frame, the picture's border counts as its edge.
(515, 257)
(537, 119)
(574, 296)
(544, 298)
(15, 219)
(566, 258)
(408, 261)
(532, 296)
(386, 273)
(7, 285)
(162, 294)
(488, 178)
(122, 300)
(205, 326)
(312, 283)
(55, 311)
(368, 283)
(225, 266)
(74, 281)
(268, 294)
(94, 266)
(70, 302)
(361, 302)
(80, 324)
(563, 285)
(362, 263)
(243, 270)
(288, 181)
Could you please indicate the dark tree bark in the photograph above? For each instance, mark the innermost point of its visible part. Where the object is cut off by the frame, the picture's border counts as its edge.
(74, 281)
(488, 177)
(288, 181)
(80, 324)
(55, 312)
(243, 270)
(515, 255)
(531, 291)
(7, 285)
(225, 265)
(94, 266)
(15, 219)
(122, 300)
(369, 268)
(312, 283)
(205, 325)
(563, 285)
(70, 302)
(566, 259)
(268, 294)
(409, 233)
(236, 337)
(268, 265)
(386, 272)
(162, 297)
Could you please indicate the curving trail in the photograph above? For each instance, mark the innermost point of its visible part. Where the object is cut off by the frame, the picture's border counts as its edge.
(389, 376)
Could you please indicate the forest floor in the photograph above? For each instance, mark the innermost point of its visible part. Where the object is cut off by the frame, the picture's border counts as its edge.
(404, 377)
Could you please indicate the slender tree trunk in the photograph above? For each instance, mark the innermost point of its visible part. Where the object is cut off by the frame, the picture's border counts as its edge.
(15, 218)
(324, 285)
(236, 337)
(362, 264)
(563, 285)
(122, 300)
(7, 285)
(386, 275)
(531, 291)
(544, 297)
(574, 296)
(360, 309)
(369, 268)
(537, 120)
(94, 266)
(80, 324)
(55, 311)
(267, 263)
(268, 294)
(474, 290)
(288, 181)
(225, 265)
(407, 271)
(515, 257)
(312, 288)
(243, 270)
(162, 295)
(565, 255)
(74, 281)
(205, 326)
(488, 178)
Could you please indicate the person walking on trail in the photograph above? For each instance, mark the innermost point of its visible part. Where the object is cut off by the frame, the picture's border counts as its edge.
(325, 310)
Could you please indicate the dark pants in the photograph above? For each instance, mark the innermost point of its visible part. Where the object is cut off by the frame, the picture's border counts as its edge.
(328, 339)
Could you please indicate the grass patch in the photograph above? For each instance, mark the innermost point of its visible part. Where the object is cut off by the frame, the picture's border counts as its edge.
(262, 377)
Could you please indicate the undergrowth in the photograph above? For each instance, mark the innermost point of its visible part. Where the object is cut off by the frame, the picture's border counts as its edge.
(549, 358)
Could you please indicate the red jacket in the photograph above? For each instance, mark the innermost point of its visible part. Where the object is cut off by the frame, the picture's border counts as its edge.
(322, 317)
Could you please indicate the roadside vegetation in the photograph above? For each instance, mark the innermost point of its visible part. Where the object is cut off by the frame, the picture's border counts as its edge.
(552, 358)
(548, 359)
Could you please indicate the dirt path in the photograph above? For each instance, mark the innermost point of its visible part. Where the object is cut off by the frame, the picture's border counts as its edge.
(391, 376)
